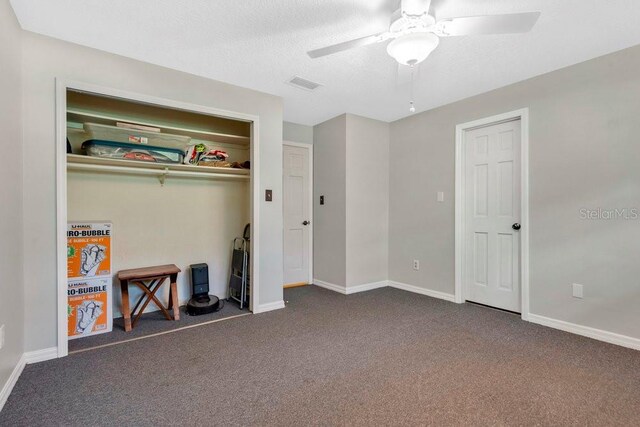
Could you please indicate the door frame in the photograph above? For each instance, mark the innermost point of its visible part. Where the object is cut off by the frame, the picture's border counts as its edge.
(460, 187)
(62, 85)
(309, 147)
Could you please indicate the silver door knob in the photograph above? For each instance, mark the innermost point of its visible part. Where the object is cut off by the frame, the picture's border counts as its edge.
(306, 222)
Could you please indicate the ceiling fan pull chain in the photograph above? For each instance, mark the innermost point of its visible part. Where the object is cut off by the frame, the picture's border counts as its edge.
(412, 108)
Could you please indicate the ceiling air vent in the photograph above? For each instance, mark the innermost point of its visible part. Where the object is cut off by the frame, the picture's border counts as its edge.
(305, 84)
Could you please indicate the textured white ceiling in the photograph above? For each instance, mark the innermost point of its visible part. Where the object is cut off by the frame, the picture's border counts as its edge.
(260, 44)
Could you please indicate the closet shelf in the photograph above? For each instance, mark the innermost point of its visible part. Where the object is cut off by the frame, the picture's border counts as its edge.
(160, 170)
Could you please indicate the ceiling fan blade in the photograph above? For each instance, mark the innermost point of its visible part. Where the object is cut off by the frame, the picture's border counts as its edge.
(363, 41)
(415, 7)
(490, 24)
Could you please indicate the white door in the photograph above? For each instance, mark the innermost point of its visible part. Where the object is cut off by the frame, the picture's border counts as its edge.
(297, 214)
(492, 215)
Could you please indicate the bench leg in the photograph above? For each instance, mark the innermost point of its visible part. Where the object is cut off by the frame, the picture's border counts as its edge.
(126, 311)
(173, 297)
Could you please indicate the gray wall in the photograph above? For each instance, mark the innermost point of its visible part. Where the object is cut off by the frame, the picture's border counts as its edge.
(367, 177)
(584, 153)
(11, 259)
(46, 59)
(294, 132)
(351, 169)
(329, 179)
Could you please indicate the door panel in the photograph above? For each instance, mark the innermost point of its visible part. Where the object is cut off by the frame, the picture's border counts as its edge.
(505, 261)
(297, 198)
(481, 188)
(492, 200)
(481, 250)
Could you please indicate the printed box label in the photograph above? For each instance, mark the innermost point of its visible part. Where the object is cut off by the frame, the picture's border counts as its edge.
(89, 307)
(88, 250)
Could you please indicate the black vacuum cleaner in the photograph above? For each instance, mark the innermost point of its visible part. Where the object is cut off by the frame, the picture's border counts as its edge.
(201, 302)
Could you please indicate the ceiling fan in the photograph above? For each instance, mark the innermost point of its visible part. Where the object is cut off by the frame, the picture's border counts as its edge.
(414, 33)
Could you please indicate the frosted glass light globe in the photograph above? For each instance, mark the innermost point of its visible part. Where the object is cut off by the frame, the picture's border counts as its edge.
(412, 49)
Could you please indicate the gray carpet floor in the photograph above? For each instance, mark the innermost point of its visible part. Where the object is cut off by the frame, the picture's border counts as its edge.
(152, 323)
(384, 357)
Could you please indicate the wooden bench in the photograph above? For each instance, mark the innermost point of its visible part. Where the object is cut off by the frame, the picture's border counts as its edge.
(149, 279)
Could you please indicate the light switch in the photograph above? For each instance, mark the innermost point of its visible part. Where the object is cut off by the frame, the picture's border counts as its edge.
(268, 195)
(441, 196)
(322, 200)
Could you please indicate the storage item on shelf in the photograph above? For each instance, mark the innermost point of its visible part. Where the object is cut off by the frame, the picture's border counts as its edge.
(202, 155)
(136, 127)
(214, 156)
(126, 151)
(215, 164)
(243, 165)
(135, 136)
(193, 153)
(225, 164)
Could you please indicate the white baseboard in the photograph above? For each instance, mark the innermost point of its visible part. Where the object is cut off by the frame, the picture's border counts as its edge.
(335, 288)
(384, 283)
(263, 308)
(586, 331)
(351, 289)
(428, 292)
(11, 382)
(41, 355)
(366, 287)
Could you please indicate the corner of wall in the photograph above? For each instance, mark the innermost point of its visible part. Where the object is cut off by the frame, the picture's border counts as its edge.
(12, 312)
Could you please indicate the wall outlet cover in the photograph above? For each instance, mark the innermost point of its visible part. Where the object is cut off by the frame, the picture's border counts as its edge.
(416, 264)
(578, 290)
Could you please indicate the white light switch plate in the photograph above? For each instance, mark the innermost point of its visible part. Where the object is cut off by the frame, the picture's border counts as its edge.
(441, 196)
(577, 290)
(1, 336)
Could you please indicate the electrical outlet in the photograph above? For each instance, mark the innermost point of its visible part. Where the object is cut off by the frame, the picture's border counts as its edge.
(577, 290)
(1, 336)
(416, 264)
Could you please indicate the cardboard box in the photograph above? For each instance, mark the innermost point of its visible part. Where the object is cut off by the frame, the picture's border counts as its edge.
(88, 249)
(89, 309)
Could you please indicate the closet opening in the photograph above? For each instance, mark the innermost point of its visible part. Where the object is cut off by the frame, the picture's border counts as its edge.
(156, 208)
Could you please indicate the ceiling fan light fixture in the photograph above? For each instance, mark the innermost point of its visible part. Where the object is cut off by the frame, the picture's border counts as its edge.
(411, 49)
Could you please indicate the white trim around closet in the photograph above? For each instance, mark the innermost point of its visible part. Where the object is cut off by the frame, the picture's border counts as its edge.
(62, 86)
